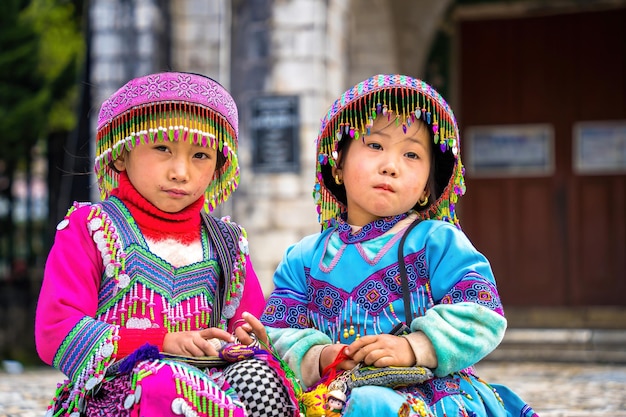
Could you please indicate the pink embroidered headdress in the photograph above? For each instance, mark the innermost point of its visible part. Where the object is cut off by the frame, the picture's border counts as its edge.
(169, 106)
(406, 100)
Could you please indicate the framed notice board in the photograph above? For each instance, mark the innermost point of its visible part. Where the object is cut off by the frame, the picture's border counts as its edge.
(510, 150)
(274, 126)
(600, 147)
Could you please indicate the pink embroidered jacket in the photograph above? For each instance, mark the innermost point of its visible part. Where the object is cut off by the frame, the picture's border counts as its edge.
(105, 294)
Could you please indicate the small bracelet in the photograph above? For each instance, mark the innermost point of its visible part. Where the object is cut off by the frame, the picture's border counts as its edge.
(236, 323)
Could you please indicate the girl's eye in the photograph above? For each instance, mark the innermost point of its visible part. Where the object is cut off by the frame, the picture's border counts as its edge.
(201, 155)
(374, 145)
(412, 155)
(162, 148)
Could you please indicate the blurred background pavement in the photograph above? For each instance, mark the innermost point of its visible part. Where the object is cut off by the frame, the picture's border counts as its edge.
(553, 389)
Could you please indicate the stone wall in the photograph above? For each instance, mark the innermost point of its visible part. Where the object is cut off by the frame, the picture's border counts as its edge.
(317, 50)
(309, 48)
(200, 38)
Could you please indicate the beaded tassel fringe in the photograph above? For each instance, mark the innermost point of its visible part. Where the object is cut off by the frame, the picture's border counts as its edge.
(171, 121)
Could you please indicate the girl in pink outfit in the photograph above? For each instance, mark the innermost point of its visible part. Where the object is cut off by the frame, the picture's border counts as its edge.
(143, 282)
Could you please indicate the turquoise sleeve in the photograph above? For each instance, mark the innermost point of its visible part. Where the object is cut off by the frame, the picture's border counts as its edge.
(290, 293)
(292, 344)
(462, 334)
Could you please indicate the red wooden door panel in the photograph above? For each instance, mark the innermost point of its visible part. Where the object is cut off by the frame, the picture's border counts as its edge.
(557, 240)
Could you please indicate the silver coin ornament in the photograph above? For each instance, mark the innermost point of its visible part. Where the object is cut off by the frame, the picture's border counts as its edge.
(63, 224)
(243, 245)
(95, 224)
(229, 311)
(123, 280)
(106, 350)
(109, 270)
(137, 394)
(91, 383)
(99, 238)
(177, 406)
(129, 401)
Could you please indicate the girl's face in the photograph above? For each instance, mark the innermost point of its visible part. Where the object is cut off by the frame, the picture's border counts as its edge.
(386, 172)
(170, 175)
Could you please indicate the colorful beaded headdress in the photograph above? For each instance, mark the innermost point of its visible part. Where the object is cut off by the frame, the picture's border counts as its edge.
(169, 106)
(407, 100)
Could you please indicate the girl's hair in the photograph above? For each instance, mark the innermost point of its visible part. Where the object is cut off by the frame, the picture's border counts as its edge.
(219, 164)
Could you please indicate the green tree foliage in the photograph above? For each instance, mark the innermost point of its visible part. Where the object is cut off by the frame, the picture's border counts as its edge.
(41, 48)
(22, 93)
(58, 24)
(41, 51)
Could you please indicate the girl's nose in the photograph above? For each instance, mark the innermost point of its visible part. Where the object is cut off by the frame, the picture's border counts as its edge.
(389, 168)
(179, 170)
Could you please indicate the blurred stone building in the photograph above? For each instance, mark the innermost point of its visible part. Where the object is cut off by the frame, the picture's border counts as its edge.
(546, 80)
(305, 52)
(538, 88)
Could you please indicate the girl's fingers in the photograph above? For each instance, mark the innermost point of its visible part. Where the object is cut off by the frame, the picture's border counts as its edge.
(243, 336)
(214, 332)
(355, 347)
(209, 347)
(256, 327)
(193, 350)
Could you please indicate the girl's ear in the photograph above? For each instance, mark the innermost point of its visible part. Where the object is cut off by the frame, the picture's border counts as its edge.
(120, 163)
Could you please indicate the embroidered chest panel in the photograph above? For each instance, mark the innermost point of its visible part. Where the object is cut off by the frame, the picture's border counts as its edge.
(373, 306)
(141, 290)
(345, 312)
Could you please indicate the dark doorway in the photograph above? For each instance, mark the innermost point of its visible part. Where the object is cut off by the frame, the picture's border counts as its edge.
(558, 239)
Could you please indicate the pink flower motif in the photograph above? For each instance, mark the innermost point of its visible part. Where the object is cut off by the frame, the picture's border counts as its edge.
(212, 93)
(230, 108)
(128, 94)
(114, 102)
(154, 87)
(107, 111)
(184, 86)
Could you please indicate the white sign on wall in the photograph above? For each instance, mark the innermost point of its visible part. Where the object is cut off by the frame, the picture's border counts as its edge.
(600, 147)
(510, 150)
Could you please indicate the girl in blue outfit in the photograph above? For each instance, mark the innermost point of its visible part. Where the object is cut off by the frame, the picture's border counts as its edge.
(391, 250)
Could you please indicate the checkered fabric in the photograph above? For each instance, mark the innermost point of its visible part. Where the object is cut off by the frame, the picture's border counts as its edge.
(259, 388)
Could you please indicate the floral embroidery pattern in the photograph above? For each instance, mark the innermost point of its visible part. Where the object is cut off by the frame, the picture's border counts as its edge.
(154, 87)
(212, 94)
(474, 288)
(130, 92)
(184, 86)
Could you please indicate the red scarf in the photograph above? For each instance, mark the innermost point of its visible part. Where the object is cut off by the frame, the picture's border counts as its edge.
(155, 224)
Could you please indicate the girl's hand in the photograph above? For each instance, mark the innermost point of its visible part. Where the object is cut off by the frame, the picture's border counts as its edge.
(251, 331)
(382, 350)
(329, 354)
(195, 343)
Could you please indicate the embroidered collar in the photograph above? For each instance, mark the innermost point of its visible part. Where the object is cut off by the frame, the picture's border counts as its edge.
(369, 231)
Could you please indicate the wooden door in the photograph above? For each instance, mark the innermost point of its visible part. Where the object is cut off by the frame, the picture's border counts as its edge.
(560, 239)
